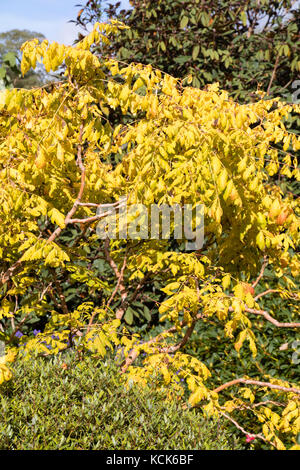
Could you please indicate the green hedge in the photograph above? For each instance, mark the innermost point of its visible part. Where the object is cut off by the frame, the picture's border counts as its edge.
(85, 406)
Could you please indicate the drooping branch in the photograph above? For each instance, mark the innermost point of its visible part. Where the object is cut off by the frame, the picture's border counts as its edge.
(257, 383)
(240, 428)
(268, 317)
(266, 292)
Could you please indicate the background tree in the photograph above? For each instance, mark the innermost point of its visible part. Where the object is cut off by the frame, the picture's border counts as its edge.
(240, 44)
(10, 60)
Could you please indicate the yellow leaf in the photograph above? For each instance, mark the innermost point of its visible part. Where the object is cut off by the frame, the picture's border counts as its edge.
(226, 281)
(41, 159)
(260, 240)
(57, 217)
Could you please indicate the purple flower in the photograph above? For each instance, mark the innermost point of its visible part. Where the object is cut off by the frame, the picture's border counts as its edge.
(36, 332)
(18, 334)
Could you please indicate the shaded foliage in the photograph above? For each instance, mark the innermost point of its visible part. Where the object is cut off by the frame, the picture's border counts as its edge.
(63, 403)
(241, 45)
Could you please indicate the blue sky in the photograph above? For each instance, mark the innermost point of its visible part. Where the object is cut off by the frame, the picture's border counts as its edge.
(49, 17)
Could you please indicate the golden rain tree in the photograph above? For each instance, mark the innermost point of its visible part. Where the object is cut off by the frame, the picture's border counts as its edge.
(67, 150)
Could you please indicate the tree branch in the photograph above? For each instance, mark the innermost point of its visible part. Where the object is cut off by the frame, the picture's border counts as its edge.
(268, 317)
(119, 275)
(184, 340)
(273, 74)
(68, 218)
(258, 383)
(266, 292)
(238, 426)
(264, 265)
(134, 352)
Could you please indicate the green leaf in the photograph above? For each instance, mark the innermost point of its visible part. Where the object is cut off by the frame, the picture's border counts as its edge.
(195, 52)
(129, 316)
(182, 59)
(10, 58)
(2, 72)
(196, 82)
(162, 46)
(147, 313)
(184, 21)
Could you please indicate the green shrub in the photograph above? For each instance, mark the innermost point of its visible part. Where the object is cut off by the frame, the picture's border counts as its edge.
(86, 406)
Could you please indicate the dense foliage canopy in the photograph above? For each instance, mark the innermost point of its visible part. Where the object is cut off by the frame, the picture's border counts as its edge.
(63, 156)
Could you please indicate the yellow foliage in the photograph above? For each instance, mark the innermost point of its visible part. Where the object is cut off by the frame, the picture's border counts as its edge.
(62, 156)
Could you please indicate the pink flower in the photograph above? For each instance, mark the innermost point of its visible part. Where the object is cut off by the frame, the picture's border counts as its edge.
(249, 438)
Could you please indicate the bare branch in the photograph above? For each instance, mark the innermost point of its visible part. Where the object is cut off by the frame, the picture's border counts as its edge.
(109, 204)
(266, 292)
(184, 340)
(134, 352)
(238, 426)
(273, 74)
(257, 383)
(264, 265)
(89, 220)
(81, 189)
(8, 274)
(119, 275)
(268, 317)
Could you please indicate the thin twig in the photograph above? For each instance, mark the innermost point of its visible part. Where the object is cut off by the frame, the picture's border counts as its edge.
(264, 265)
(119, 275)
(134, 352)
(238, 426)
(273, 74)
